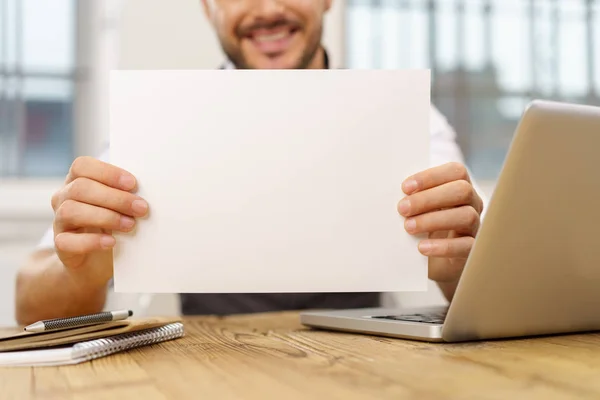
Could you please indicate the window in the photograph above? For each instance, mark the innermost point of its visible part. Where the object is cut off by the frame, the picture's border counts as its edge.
(37, 86)
(488, 59)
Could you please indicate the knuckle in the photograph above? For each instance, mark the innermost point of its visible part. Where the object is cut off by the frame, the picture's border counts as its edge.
(66, 211)
(464, 191)
(470, 241)
(460, 170)
(60, 242)
(75, 189)
(55, 199)
(78, 165)
(471, 215)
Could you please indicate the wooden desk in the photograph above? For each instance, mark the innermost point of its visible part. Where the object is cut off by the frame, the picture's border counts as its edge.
(272, 356)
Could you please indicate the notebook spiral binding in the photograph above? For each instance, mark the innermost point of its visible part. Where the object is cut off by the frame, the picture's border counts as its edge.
(103, 347)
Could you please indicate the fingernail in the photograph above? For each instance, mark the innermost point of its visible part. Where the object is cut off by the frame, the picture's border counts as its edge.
(404, 207)
(410, 225)
(127, 182)
(107, 242)
(139, 207)
(425, 247)
(409, 186)
(127, 222)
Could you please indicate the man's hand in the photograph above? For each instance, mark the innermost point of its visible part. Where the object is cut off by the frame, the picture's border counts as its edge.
(96, 199)
(442, 203)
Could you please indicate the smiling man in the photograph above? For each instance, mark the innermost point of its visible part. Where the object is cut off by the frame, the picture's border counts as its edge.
(70, 273)
(270, 34)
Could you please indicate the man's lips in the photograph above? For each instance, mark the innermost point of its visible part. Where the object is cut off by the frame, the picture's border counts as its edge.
(272, 41)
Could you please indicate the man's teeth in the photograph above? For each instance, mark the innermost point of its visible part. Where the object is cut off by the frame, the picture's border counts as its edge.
(271, 37)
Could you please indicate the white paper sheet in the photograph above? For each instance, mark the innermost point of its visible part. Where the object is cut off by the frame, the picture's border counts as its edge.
(270, 181)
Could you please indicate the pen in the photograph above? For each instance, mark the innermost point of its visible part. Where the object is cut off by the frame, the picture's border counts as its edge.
(72, 322)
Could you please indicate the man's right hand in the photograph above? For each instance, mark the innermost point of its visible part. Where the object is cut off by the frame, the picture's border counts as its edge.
(96, 199)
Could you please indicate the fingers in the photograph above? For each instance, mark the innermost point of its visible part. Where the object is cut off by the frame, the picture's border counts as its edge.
(91, 192)
(83, 243)
(443, 203)
(96, 170)
(464, 220)
(97, 197)
(452, 194)
(73, 215)
(436, 176)
(459, 247)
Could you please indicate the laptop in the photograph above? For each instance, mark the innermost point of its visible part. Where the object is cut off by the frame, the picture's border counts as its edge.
(535, 266)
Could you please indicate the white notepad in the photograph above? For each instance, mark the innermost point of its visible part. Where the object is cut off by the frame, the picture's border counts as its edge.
(92, 349)
(270, 181)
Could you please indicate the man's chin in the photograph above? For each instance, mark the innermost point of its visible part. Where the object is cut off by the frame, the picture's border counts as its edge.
(275, 62)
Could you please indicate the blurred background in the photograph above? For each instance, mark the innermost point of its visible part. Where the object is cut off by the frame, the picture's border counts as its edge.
(488, 58)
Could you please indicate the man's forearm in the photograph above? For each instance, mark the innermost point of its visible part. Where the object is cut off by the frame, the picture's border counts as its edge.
(45, 289)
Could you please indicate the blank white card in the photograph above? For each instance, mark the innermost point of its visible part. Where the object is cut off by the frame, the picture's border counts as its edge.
(270, 180)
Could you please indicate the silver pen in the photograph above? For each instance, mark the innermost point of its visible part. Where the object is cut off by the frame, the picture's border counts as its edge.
(82, 320)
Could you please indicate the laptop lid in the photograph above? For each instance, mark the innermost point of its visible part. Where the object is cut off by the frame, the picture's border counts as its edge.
(535, 265)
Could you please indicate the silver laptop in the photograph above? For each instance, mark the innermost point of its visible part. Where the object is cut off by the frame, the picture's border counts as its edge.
(535, 266)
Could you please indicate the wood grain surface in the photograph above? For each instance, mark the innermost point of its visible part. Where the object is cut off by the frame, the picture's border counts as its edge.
(271, 356)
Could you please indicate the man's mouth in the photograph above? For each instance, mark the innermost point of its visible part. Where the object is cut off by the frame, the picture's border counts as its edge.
(272, 41)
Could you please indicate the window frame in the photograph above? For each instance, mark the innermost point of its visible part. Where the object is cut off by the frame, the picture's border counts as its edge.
(28, 198)
(462, 124)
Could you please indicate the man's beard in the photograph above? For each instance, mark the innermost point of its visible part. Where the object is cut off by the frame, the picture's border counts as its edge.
(238, 60)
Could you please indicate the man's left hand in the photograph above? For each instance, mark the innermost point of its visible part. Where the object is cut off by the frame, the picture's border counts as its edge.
(442, 203)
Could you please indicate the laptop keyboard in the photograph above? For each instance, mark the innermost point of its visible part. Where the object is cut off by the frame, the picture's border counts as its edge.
(427, 318)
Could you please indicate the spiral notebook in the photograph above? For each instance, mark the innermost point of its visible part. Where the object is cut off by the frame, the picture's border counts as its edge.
(91, 349)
